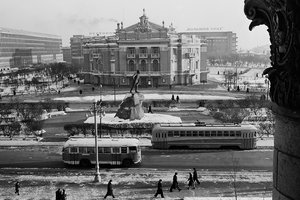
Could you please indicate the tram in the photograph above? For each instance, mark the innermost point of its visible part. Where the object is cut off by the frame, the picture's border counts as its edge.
(203, 136)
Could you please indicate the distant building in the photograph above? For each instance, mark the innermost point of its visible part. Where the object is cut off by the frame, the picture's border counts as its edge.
(220, 43)
(162, 56)
(76, 50)
(20, 48)
(66, 51)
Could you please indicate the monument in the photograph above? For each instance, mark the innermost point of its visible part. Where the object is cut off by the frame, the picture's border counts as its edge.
(131, 106)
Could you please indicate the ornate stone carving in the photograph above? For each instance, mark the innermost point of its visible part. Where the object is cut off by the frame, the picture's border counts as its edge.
(282, 17)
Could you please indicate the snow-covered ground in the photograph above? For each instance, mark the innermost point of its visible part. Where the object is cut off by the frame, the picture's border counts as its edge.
(153, 96)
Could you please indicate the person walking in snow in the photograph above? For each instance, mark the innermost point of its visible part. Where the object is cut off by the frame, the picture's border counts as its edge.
(159, 189)
(109, 190)
(17, 188)
(195, 176)
(175, 183)
(191, 181)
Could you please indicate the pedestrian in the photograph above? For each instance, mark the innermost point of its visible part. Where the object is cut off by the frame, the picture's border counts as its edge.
(63, 195)
(191, 181)
(177, 99)
(150, 109)
(57, 194)
(159, 189)
(175, 183)
(17, 188)
(109, 190)
(195, 176)
(173, 98)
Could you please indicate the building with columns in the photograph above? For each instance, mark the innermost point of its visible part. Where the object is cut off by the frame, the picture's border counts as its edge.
(162, 56)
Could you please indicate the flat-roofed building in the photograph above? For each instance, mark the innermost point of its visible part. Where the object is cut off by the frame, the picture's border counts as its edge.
(19, 48)
(219, 43)
(66, 51)
(162, 56)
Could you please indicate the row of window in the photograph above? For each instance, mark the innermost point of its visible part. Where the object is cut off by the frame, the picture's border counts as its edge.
(131, 50)
(204, 134)
(108, 150)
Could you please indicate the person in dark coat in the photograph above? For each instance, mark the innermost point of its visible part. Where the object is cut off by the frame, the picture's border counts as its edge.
(150, 109)
(159, 189)
(175, 183)
(195, 176)
(136, 81)
(177, 99)
(17, 188)
(109, 190)
(191, 181)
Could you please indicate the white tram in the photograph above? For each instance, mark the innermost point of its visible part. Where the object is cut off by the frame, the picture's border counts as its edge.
(201, 135)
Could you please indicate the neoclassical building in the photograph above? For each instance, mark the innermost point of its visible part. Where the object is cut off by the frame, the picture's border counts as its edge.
(162, 56)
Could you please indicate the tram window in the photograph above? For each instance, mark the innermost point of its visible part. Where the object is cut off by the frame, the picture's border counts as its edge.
(176, 133)
(90, 149)
(232, 134)
(207, 133)
(123, 149)
(116, 150)
(82, 150)
(189, 133)
(226, 134)
(201, 133)
(182, 133)
(132, 149)
(100, 150)
(213, 133)
(195, 133)
(73, 150)
(219, 134)
(238, 134)
(170, 134)
(106, 150)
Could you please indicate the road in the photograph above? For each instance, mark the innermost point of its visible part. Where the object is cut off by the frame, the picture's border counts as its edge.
(50, 157)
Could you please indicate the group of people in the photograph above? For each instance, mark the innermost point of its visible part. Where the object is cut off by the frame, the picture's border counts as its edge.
(193, 178)
(173, 98)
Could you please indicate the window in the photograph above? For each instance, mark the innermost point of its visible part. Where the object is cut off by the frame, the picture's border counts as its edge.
(195, 134)
(232, 134)
(82, 150)
(73, 150)
(226, 133)
(131, 65)
(100, 150)
(170, 134)
(201, 133)
(123, 149)
(189, 133)
(116, 150)
(219, 134)
(207, 133)
(143, 65)
(132, 149)
(176, 133)
(155, 65)
(106, 150)
(90, 149)
(213, 133)
(182, 133)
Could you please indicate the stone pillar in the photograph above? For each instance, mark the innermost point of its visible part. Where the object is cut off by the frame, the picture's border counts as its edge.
(282, 17)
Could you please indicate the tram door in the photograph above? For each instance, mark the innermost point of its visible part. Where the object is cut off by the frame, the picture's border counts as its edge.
(164, 140)
(116, 156)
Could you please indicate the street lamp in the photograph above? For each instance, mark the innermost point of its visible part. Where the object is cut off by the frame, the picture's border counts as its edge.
(97, 175)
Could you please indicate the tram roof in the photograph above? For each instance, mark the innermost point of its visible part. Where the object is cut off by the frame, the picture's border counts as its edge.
(203, 126)
(102, 142)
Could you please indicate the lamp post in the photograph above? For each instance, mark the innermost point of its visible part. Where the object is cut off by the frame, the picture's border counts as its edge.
(97, 175)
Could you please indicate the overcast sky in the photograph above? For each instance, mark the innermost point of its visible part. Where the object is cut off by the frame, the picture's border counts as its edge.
(70, 17)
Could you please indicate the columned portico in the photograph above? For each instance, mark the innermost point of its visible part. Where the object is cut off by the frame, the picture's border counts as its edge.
(283, 20)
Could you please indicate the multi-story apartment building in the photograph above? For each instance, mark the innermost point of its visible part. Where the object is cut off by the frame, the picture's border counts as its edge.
(66, 51)
(162, 56)
(20, 48)
(220, 43)
(76, 43)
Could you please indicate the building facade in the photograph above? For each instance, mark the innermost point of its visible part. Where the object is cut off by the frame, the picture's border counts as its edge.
(76, 44)
(219, 44)
(20, 48)
(163, 57)
(66, 51)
